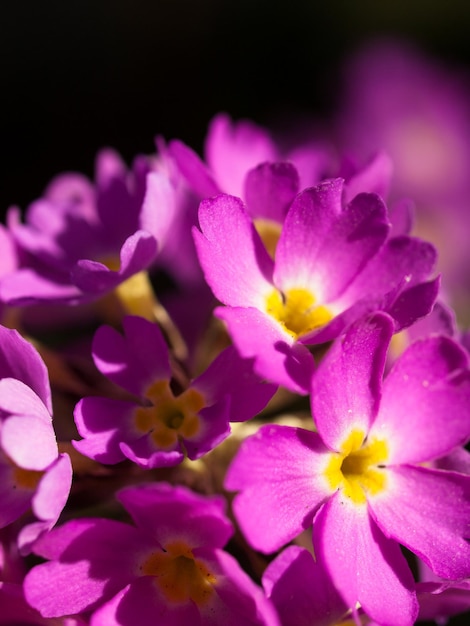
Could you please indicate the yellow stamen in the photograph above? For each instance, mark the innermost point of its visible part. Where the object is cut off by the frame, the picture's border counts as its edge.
(357, 469)
(179, 575)
(169, 417)
(296, 311)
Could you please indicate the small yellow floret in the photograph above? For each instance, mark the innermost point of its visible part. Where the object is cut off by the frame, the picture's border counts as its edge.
(179, 575)
(296, 311)
(169, 417)
(357, 469)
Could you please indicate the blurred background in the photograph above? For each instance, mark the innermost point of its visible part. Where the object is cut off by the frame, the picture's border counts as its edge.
(80, 75)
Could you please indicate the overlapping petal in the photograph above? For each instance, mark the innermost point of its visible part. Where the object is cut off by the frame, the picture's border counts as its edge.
(268, 488)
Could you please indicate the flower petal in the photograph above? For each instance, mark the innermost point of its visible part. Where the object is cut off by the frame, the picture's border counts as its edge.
(278, 473)
(135, 360)
(235, 262)
(425, 408)
(276, 357)
(428, 511)
(365, 566)
(347, 384)
(270, 189)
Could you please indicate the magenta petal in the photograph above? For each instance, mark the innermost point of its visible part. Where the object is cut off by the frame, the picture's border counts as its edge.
(194, 170)
(346, 386)
(425, 408)
(233, 148)
(232, 375)
(163, 511)
(277, 500)
(302, 591)
(354, 238)
(414, 303)
(48, 502)
(53, 490)
(214, 428)
(235, 262)
(428, 511)
(276, 357)
(142, 451)
(159, 207)
(400, 258)
(365, 566)
(20, 360)
(375, 177)
(306, 226)
(270, 189)
(142, 603)
(237, 600)
(135, 360)
(91, 564)
(104, 423)
(137, 253)
(26, 286)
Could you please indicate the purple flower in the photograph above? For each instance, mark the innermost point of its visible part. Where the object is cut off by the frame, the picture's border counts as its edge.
(155, 427)
(332, 264)
(169, 568)
(81, 241)
(32, 472)
(361, 479)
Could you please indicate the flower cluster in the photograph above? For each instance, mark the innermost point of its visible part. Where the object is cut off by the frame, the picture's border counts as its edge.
(232, 388)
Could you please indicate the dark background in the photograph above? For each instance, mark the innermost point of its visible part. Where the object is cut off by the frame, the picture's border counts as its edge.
(80, 75)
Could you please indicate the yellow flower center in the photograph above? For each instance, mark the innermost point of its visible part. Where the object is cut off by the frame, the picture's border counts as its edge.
(296, 311)
(358, 470)
(169, 418)
(269, 231)
(136, 293)
(179, 575)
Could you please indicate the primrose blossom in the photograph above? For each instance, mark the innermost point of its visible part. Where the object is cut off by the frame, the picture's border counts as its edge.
(80, 241)
(366, 479)
(332, 264)
(156, 426)
(172, 571)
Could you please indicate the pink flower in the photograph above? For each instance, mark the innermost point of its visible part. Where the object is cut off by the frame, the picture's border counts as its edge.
(362, 479)
(332, 264)
(168, 568)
